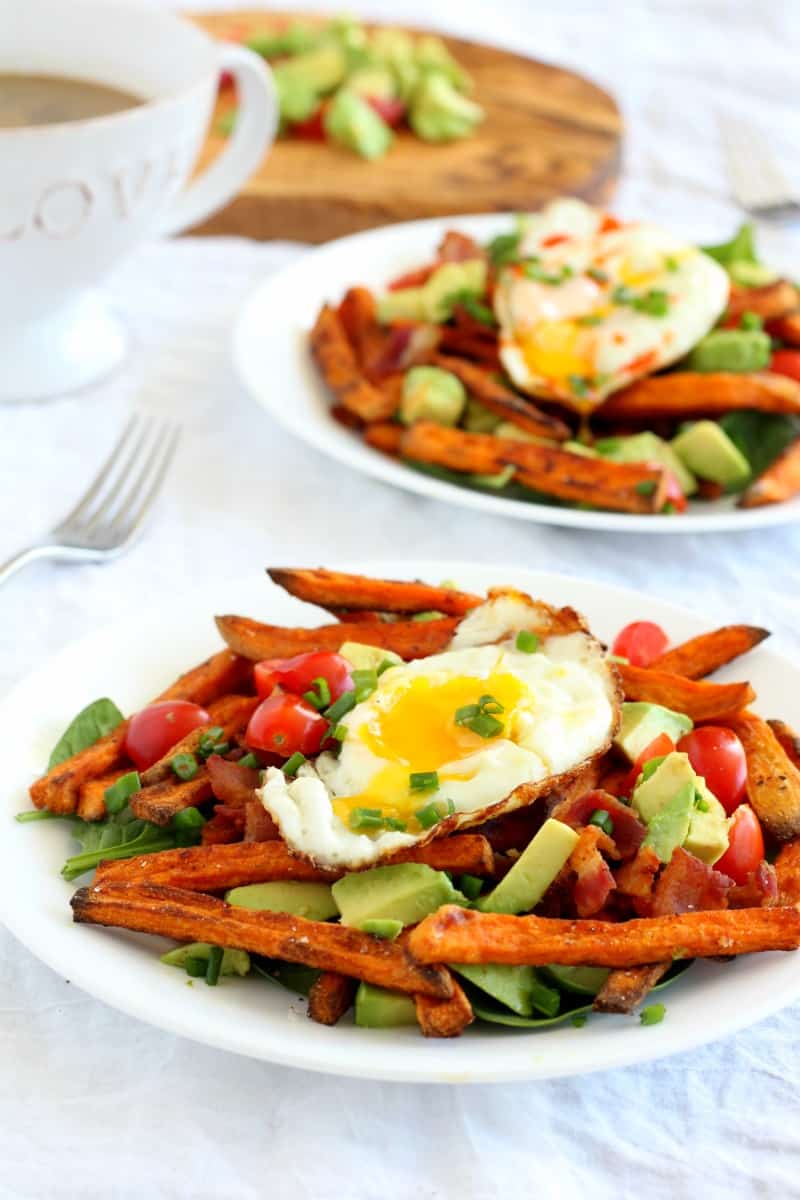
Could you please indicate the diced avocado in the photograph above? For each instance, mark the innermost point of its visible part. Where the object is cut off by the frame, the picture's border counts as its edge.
(667, 829)
(405, 892)
(312, 900)
(672, 774)
(500, 480)
(533, 872)
(433, 301)
(642, 723)
(377, 1008)
(431, 394)
(386, 929)
(377, 82)
(751, 275)
(323, 67)
(431, 53)
(586, 981)
(506, 429)
(296, 39)
(392, 45)
(708, 451)
(478, 419)
(579, 448)
(708, 826)
(731, 350)
(648, 447)
(367, 658)
(353, 123)
(234, 962)
(438, 111)
(519, 988)
(297, 98)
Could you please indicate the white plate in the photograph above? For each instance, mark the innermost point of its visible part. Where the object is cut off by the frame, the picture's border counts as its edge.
(270, 347)
(249, 1016)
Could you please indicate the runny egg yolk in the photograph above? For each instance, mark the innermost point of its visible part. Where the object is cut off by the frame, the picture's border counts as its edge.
(551, 350)
(419, 733)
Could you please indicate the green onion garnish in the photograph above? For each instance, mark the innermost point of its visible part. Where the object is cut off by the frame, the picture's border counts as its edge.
(429, 816)
(250, 760)
(578, 385)
(319, 695)
(382, 927)
(623, 295)
(651, 766)
(652, 1015)
(751, 321)
(395, 825)
(339, 732)
(654, 303)
(341, 707)
(700, 803)
(480, 717)
(527, 642)
(211, 741)
(117, 796)
(485, 726)
(423, 781)
(365, 682)
(579, 1020)
(602, 820)
(471, 886)
(213, 965)
(185, 766)
(385, 665)
(196, 966)
(188, 818)
(671, 262)
(589, 319)
(366, 818)
(534, 270)
(597, 275)
(504, 248)
(669, 508)
(646, 487)
(291, 766)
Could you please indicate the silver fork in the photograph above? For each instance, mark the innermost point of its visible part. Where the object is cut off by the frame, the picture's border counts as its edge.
(756, 180)
(113, 509)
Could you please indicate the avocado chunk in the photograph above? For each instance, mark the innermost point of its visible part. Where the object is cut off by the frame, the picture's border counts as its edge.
(642, 723)
(431, 394)
(751, 275)
(312, 900)
(431, 54)
(378, 1008)
(586, 981)
(376, 82)
(353, 123)
(731, 350)
(533, 872)
(434, 300)
(650, 795)
(707, 838)
(519, 988)
(234, 962)
(647, 447)
(439, 112)
(507, 429)
(297, 98)
(478, 419)
(405, 892)
(367, 658)
(707, 450)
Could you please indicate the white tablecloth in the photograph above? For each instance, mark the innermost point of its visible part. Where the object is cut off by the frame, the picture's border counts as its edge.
(93, 1104)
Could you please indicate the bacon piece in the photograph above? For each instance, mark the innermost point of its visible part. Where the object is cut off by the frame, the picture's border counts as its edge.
(232, 783)
(635, 879)
(761, 889)
(258, 824)
(595, 883)
(458, 247)
(408, 344)
(688, 885)
(358, 314)
(224, 827)
(628, 832)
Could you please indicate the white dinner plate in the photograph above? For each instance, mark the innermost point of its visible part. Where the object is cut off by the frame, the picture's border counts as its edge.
(270, 347)
(133, 662)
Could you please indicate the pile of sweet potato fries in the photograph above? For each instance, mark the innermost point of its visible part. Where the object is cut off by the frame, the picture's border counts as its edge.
(362, 363)
(648, 915)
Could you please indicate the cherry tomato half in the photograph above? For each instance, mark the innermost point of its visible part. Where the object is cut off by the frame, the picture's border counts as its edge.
(641, 642)
(313, 128)
(389, 109)
(285, 725)
(297, 674)
(786, 362)
(154, 730)
(745, 846)
(265, 675)
(658, 748)
(718, 755)
(675, 494)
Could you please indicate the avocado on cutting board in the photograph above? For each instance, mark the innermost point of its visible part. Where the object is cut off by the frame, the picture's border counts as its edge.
(547, 132)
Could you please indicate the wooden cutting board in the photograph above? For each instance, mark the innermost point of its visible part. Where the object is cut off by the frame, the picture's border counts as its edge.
(547, 132)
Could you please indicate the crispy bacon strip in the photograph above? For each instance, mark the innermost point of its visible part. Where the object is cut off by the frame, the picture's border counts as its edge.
(627, 987)
(454, 934)
(789, 740)
(682, 394)
(705, 654)
(331, 996)
(688, 885)
(700, 700)
(232, 783)
(226, 825)
(444, 1018)
(162, 801)
(594, 882)
(635, 879)
(773, 781)
(770, 301)
(59, 789)
(258, 824)
(339, 367)
(230, 713)
(335, 589)
(780, 481)
(628, 829)
(481, 383)
(409, 639)
(189, 917)
(759, 891)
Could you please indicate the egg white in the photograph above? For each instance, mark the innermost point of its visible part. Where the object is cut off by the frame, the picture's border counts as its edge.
(565, 713)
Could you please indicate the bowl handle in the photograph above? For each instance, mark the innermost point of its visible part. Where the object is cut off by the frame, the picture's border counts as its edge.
(254, 132)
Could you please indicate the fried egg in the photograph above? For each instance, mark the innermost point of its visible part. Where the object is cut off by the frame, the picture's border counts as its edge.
(594, 303)
(417, 763)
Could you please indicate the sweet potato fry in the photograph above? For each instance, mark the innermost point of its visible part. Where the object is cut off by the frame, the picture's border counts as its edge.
(331, 996)
(339, 367)
(789, 740)
(230, 713)
(162, 801)
(409, 639)
(444, 1018)
(683, 394)
(786, 328)
(626, 987)
(358, 315)
(621, 487)
(187, 916)
(705, 654)
(385, 436)
(454, 934)
(335, 589)
(481, 383)
(779, 482)
(476, 453)
(773, 781)
(700, 700)
(787, 868)
(461, 853)
(92, 796)
(770, 301)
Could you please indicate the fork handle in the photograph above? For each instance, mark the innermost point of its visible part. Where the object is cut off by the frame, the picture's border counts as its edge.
(7, 569)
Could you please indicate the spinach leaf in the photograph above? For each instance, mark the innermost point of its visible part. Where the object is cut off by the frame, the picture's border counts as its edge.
(122, 835)
(91, 723)
(760, 436)
(741, 247)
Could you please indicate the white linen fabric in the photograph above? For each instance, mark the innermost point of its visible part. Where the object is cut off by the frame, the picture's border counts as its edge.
(93, 1104)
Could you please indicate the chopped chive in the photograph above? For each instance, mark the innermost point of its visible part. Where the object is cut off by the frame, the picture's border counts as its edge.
(366, 818)
(117, 796)
(535, 271)
(292, 764)
(578, 385)
(504, 248)
(221, 747)
(646, 487)
(654, 303)
(339, 732)
(188, 818)
(618, 658)
(210, 741)
(466, 713)
(700, 803)
(671, 262)
(485, 726)
(451, 807)
(385, 665)
(652, 1015)
(602, 820)
(423, 781)
(341, 707)
(430, 615)
(250, 760)
(751, 321)
(184, 765)
(669, 508)
(527, 642)
(471, 886)
(395, 825)
(597, 275)
(579, 1020)
(382, 927)
(651, 766)
(429, 815)
(196, 966)
(589, 319)
(213, 965)
(319, 694)
(365, 681)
